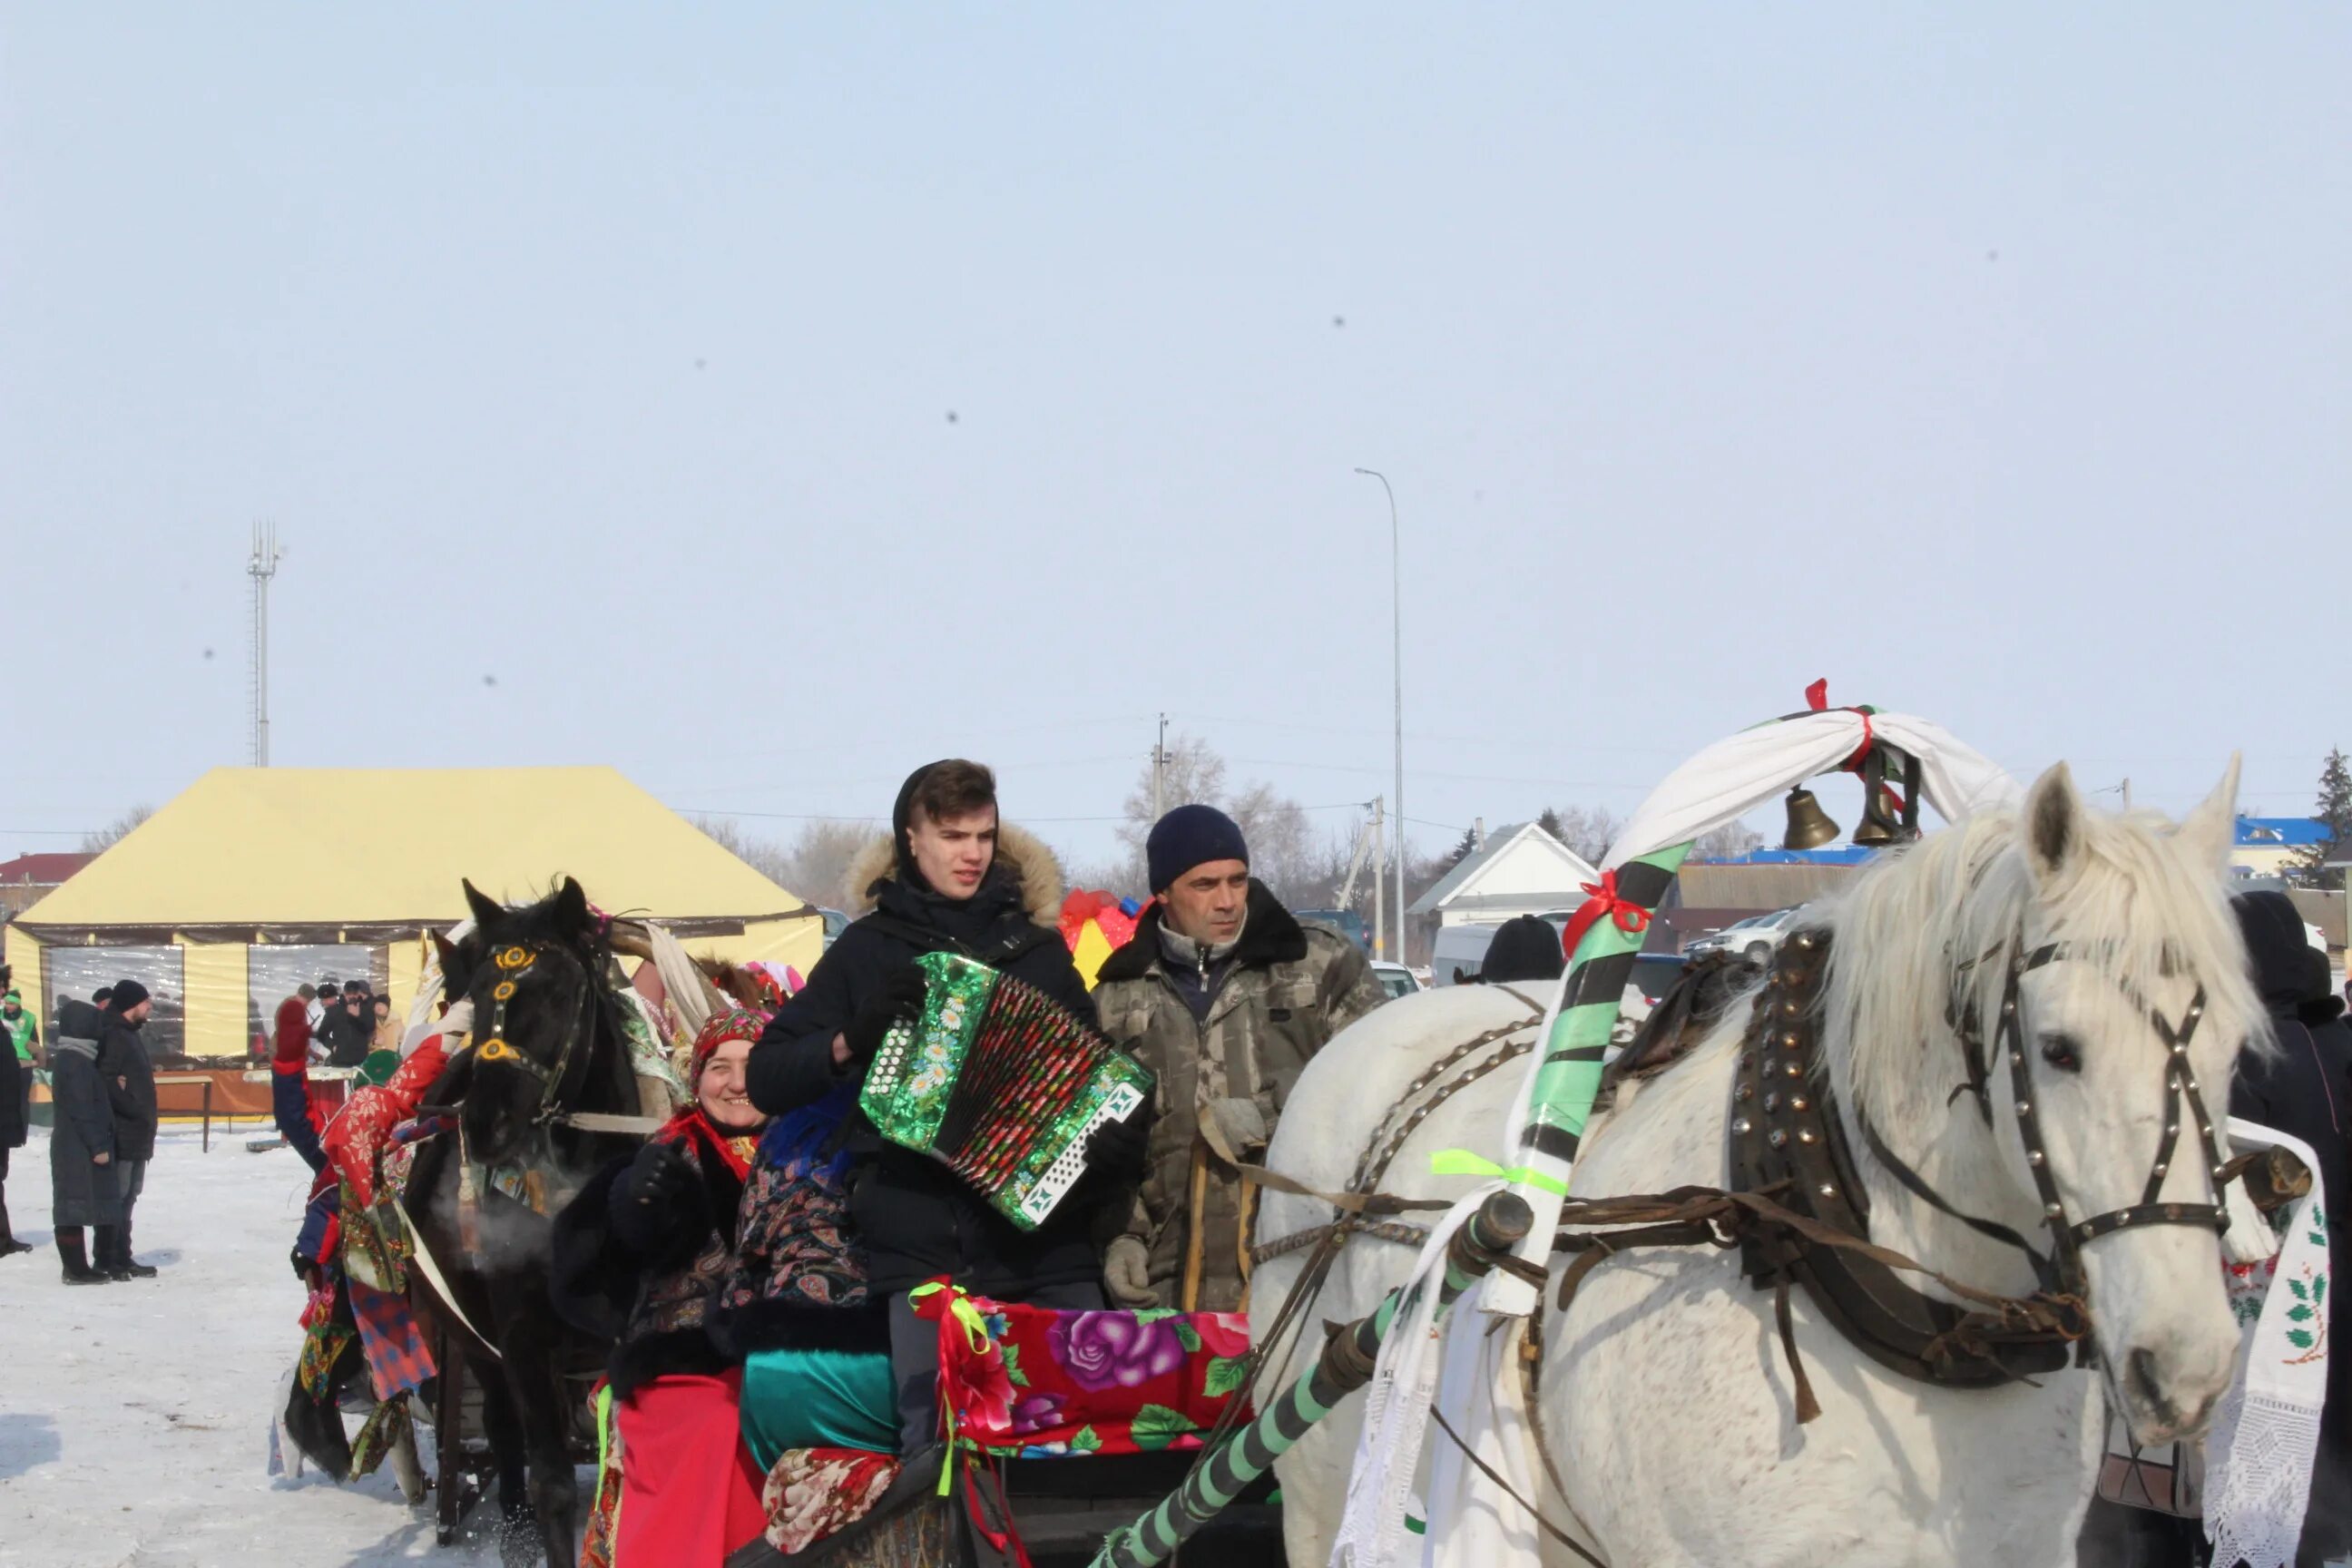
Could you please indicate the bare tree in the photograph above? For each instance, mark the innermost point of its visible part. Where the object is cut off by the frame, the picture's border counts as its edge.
(817, 867)
(114, 832)
(1589, 830)
(1728, 842)
(1282, 842)
(1192, 775)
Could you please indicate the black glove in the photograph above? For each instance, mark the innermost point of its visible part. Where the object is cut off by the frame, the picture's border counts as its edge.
(1119, 1149)
(903, 991)
(648, 1200)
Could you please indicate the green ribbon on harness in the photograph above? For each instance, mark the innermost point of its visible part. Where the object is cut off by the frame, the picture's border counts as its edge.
(975, 1329)
(1462, 1163)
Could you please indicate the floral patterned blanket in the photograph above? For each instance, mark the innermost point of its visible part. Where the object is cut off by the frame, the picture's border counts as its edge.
(1031, 1383)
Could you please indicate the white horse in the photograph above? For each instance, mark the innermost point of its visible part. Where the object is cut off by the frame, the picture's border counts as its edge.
(1665, 1390)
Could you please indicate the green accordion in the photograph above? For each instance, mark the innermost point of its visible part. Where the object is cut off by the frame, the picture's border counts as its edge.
(999, 1082)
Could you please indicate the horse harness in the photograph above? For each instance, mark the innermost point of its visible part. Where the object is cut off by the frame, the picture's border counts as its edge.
(513, 961)
(522, 1180)
(1787, 1141)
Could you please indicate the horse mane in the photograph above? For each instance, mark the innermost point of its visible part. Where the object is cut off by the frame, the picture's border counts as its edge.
(1968, 891)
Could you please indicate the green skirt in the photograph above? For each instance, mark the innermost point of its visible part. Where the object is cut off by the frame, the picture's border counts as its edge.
(818, 1399)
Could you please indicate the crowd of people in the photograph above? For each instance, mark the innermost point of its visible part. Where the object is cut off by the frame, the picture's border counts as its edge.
(346, 1022)
(754, 1262)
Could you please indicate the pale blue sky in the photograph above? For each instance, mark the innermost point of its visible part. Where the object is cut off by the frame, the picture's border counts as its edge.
(1994, 362)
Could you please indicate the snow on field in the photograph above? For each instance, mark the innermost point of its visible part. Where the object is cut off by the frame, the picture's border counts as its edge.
(134, 1418)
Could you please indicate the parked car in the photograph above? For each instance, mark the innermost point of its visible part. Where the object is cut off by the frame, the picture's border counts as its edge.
(1756, 939)
(1395, 979)
(1349, 923)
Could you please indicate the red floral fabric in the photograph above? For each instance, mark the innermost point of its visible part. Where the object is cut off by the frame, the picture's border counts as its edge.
(1032, 1383)
(354, 1137)
(813, 1493)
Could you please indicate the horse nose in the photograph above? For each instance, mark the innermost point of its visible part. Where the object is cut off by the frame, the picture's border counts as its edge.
(2175, 1394)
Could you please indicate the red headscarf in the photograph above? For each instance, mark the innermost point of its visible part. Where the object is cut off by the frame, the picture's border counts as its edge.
(692, 1126)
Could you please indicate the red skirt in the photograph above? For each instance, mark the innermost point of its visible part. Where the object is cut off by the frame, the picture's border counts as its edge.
(690, 1489)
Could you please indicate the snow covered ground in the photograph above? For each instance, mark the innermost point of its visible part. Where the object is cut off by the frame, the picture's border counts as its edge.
(134, 1418)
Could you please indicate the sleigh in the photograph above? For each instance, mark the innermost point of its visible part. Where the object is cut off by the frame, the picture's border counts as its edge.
(1057, 1427)
(1069, 1437)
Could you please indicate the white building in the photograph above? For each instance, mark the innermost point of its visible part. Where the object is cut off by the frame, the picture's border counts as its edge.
(1523, 871)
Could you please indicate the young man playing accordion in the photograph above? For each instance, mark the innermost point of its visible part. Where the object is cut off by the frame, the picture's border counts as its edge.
(951, 878)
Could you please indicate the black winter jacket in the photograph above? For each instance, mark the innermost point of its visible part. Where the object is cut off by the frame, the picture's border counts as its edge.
(16, 1089)
(129, 1075)
(601, 1285)
(2305, 1090)
(346, 1038)
(915, 1218)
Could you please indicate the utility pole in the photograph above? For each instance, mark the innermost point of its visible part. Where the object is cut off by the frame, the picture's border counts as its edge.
(261, 566)
(1159, 766)
(1477, 834)
(2126, 795)
(1380, 883)
(1396, 624)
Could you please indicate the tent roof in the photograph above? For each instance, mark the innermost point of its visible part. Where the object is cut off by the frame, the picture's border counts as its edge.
(291, 854)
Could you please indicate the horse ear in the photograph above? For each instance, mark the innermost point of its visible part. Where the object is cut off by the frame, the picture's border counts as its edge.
(2209, 833)
(2053, 822)
(444, 953)
(485, 908)
(572, 912)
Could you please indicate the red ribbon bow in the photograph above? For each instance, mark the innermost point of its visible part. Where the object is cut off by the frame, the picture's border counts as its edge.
(1817, 698)
(1632, 918)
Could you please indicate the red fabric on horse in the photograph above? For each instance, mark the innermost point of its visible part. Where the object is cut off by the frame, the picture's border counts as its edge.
(690, 1490)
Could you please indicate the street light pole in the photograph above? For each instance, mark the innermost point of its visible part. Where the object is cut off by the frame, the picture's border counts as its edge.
(1396, 624)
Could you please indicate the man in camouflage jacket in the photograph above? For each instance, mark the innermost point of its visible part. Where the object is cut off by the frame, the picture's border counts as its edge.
(1224, 995)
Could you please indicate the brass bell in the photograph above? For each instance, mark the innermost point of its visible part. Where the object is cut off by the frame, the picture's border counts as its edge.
(1875, 832)
(1883, 822)
(1810, 826)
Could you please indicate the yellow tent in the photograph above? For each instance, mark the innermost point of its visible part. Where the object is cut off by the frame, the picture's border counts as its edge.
(257, 880)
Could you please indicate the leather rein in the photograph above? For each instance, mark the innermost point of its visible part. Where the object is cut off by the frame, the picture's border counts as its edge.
(513, 961)
(2060, 1270)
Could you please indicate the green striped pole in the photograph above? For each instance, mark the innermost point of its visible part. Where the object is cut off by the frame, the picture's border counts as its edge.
(1345, 1365)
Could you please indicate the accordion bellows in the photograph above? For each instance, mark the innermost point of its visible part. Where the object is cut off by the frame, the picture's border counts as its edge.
(998, 1081)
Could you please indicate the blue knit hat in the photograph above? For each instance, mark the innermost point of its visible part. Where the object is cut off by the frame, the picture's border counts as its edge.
(1187, 837)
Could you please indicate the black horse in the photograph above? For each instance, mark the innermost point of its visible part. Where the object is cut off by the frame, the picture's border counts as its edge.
(547, 1047)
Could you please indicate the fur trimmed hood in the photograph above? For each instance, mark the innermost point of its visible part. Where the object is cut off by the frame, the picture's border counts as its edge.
(1019, 851)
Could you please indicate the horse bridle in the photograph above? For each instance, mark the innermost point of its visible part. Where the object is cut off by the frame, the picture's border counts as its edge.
(513, 961)
(2062, 1271)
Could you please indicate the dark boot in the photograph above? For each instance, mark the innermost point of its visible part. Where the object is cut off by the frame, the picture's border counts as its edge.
(78, 1268)
(8, 1242)
(106, 1252)
(124, 1262)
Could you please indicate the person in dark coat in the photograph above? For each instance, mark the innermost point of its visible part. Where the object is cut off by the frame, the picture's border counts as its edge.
(640, 1256)
(949, 879)
(127, 1074)
(2305, 1089)
(1525, 949)
(16, 1092)
(84, 1192)
(348, 1029)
